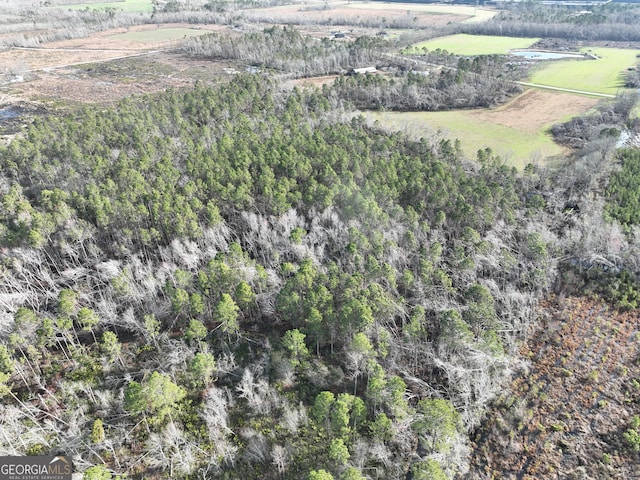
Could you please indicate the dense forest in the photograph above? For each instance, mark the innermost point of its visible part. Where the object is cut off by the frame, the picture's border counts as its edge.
(232, 282)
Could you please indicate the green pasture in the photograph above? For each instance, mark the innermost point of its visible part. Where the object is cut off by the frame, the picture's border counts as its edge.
(160, 34)
(517, 148)
(463, 44)
(133, 6)
(604, 75)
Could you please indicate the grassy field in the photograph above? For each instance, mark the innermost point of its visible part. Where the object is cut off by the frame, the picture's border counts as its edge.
(516, 147)
(160, 34)
(134, 6)
(475, 44)
(603, 75)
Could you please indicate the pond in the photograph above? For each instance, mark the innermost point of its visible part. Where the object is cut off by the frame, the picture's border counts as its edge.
(542, 55)
(11, 118)
(8, 113)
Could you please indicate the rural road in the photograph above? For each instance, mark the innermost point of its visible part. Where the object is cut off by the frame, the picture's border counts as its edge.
(568, 90)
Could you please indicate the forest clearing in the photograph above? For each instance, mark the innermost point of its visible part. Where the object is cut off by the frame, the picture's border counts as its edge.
(463, 44)
(517, 131)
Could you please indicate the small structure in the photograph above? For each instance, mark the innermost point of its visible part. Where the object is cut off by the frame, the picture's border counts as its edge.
(363, 70)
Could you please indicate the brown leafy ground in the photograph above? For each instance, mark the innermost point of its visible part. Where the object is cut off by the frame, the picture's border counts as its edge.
(565, 417)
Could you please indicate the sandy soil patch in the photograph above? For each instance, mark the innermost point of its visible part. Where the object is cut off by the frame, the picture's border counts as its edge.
(536, 109)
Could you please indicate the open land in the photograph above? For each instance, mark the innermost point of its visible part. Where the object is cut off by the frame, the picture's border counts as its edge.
(516, 131)
(161, 35)
(475, 14)
(133, 6)
(339, 15)
(463, 44)
(106, 66)
(603, 75)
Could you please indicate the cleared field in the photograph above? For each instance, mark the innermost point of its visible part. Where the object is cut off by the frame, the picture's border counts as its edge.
(135, 6)
(604, 75)
(104, 68)
(475, 14)
(515, 131)
(160, 34)
(514, 146)
(359, 15)
(463, 44)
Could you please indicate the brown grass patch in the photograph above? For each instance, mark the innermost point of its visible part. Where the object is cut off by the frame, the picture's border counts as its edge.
(109, 82)
(535, 110)
(106, 39)
(100, 68)
(564, 418)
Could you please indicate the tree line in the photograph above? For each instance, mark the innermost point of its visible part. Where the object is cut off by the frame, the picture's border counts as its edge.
(612, 22)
